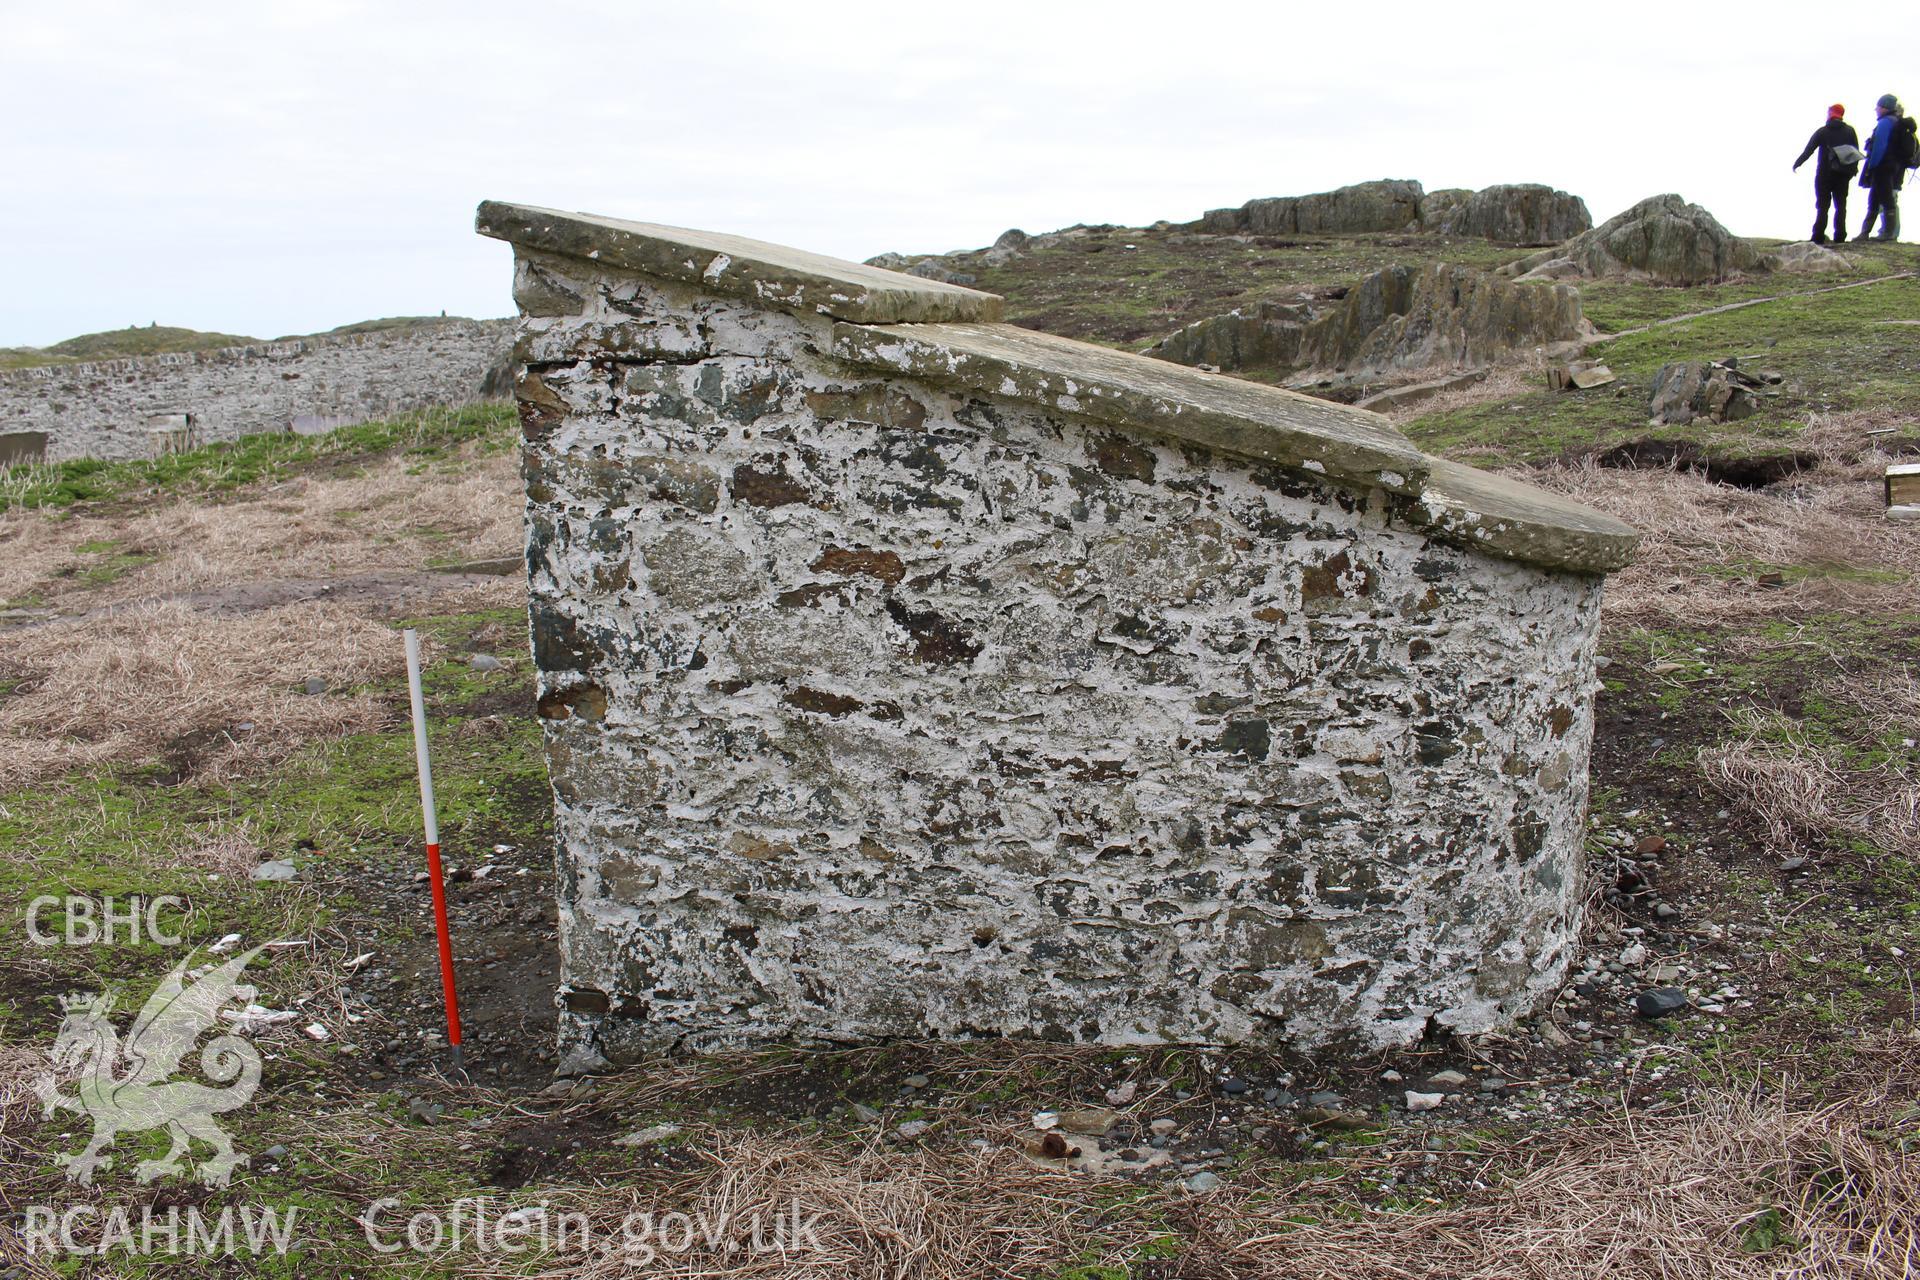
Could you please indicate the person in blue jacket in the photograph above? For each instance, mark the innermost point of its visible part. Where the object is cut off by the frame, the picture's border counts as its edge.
(1884, 172)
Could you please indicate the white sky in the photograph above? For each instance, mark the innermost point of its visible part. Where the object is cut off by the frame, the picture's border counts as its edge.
(271, 168)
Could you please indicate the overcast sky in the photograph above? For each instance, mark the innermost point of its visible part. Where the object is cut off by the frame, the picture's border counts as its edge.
(283, 168)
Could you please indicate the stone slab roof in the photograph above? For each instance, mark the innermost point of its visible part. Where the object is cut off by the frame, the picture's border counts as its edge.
(1520, 522)
(949, 335)
(736, 267)
(1249, 419)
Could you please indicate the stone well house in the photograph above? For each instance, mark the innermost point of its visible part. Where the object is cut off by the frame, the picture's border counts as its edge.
(906, 673)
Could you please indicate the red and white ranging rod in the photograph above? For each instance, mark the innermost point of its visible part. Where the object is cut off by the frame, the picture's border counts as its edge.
(434, 876)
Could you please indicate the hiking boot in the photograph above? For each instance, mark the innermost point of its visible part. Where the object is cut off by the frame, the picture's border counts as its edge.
(1820, 239)
(1839, 237)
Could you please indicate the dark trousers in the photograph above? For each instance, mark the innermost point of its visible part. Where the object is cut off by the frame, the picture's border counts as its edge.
(1883, 204)
(1829, 192)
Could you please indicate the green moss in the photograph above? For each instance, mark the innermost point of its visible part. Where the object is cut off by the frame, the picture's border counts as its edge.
(1160, 1246)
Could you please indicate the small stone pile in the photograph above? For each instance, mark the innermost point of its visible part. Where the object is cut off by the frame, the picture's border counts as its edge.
(1718, 391)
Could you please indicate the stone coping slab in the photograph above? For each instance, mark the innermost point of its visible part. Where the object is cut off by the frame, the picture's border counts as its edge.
(1519, 522)
(950, 335)
(1476, 508)
(734, 266)
(1248, 419)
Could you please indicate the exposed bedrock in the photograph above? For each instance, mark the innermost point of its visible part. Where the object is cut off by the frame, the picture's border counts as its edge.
(1390, 204)
(1663, 239)
(1512, 213)
(1518, 213)
(1397, 319)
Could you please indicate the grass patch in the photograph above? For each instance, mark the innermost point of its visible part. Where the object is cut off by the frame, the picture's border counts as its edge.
(1830, 348)
(120, 344)
(1125, 286)
(386, 324)
(147, 340)
(215, 468)
(330, 807)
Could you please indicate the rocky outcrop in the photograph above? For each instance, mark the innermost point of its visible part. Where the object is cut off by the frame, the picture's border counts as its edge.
(1370, 206)
(1010, 244)
(1265, 336)
(1522, 213)
(1390, 204)
(1805, 257)
(1396, 319)
(1436, 205)
(1519, 213)
(934, 269)
(1663, 239)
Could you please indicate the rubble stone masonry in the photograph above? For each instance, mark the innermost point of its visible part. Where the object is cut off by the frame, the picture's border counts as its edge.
(909, 674)
(102, 409)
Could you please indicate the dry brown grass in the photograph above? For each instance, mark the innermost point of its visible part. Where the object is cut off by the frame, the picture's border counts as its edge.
(316, 526)
(153, 680)
(1744, 1184)
(20, 1113)
(132, 674)
(1703, 544)
(1741, 1183)
(871, 1213)
(1680, 1197)
(1805, 793)
(224, 850)
(1524, 375)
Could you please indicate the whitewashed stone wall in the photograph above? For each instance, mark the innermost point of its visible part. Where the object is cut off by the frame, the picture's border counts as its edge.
(881, 706)
(100, 410)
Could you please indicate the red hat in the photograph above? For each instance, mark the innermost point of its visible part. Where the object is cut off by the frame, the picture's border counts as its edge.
(1836, 111)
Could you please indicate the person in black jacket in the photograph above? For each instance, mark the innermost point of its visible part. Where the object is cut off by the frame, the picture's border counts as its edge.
(1830, 174)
